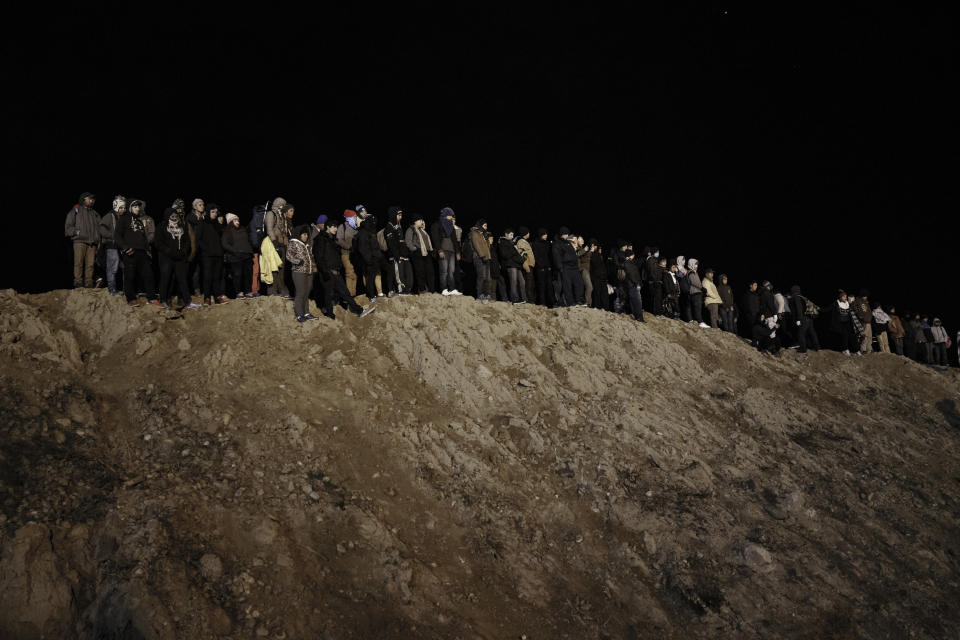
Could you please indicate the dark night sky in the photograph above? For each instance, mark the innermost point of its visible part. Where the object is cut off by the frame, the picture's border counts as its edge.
(801, 145)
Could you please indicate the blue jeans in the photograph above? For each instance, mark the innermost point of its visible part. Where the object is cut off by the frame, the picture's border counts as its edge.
(113, 263)
(448, 267)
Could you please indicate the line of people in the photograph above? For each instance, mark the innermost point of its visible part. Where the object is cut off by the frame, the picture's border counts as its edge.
(203, 253)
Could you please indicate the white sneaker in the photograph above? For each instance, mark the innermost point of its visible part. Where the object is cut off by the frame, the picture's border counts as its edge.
(704, 325)
(192, 305)
(846, 352)
(454, 292)
(367, 311)
(445, 292)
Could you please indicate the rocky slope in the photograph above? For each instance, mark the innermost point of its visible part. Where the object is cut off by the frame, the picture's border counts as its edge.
(445, 468)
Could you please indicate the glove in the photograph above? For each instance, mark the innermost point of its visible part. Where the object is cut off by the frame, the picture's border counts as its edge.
(798, 323)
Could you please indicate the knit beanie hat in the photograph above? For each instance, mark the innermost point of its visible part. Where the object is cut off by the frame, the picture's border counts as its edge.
(322, 219)
(349, 213)
(541, 232)
(447, 211)
(231, 218)
(522, 231)
(562, 231)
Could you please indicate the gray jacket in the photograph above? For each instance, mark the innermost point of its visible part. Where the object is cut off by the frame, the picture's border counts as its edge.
(694, 281)
(345, 236)
(108, 229)
(82, 225)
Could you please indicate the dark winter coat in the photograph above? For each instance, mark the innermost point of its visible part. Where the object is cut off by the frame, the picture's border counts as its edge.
(564, 255)
(671, 288)
(396, 247)
(172, 239)
(861, 307)
(135, 232)
(510, 258)
(840, 316)
(108, 229)
(437, 236)
(326, 253)
(541, 253)
(750, 305)
(726, 295)
(598, 272)
(632, 270)
(209, 241)
(236, 244)
(366, 244)
(82, 225)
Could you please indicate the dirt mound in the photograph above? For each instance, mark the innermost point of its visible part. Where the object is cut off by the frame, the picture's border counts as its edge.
(445, 468)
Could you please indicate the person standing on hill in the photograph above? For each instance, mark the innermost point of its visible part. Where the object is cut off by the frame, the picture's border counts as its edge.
(696, 293)
(173, 252)
(529, 264)
(195, 220)
(583, 263)
(279, 228)
(842, 323)
(654, 281)
(768, 304)
(108, 232)
(481, 257)
(541, 271)
(633, 280)
(302, 269)
(134, 237)
(329, 264)
(727, 305)
(712, 300)
(512, 262)
(238, 253)
(940, 339)
(565, 258)
(861, 307)
(671, 290)
(896, 330)
(598, 272)
(371, 257)
(806, 332)
(82, 227)
(398, 254)
(881, 327)
(444, 237)
(346, 234)
(421, 254)
(211, 254)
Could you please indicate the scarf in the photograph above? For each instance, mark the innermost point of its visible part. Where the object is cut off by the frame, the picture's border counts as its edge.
(352, 221)
(425, 245)
(880, 317)
(447, 226)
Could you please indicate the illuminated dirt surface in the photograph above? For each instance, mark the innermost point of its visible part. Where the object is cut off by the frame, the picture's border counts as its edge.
(445, 468)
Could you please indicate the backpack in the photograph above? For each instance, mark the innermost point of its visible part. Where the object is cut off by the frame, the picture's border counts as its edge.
(258, 225)
(382, 239)
(684, 284)
(810, 310)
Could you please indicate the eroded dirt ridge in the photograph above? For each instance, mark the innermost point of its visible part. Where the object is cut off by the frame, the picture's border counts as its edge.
(445, 468)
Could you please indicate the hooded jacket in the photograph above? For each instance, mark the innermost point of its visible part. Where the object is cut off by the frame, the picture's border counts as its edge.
(750, 305)
(510, 258)
(564, 255)
(798, 304)
(136, 231)
(632, 269)
(326, 253)
(726, 295)
(939, 333)
(526, 252)
(895, 326)
(598, 272)
(367, 246)
(861, 307)
(82, 225)
(108, 229)
(671, 288)
(481, 249)
(441, 236)
(209, 241)
(300, 257)
(393, 234)
(172, 238)
(768, 306)
(541, 252)
(236, 243)
(692, 278)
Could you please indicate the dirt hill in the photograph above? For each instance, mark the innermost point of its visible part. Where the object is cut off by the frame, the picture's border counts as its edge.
(445, 468)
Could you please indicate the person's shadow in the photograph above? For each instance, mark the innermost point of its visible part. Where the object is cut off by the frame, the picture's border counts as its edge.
(949, 410)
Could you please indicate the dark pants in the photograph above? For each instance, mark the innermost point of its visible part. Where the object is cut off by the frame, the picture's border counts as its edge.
(544, 286)
(656, 289)
(423, 273)
(636, 302)
(242, 272)
(517, 289)
(170, 269)
(695, 300)
(572, 285)
(848, 341)
(940, 353)
(726, 319)
(897, 345)
(807, 333)
(302, 283)
(139, 265)
(194, 271)
(482, 267)
(212, 272)
(529, 286)
(334, 287)
(370, 273)
(601, 298)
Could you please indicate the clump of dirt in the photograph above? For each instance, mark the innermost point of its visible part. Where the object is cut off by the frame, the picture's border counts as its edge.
(445, 468)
